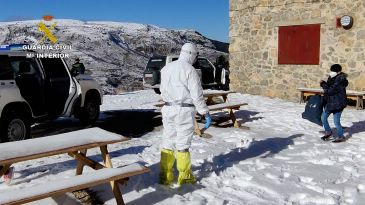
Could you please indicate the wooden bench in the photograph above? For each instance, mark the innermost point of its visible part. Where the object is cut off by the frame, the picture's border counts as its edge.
(354, 95)
(33, 193)
(230, 106)
(75, 144)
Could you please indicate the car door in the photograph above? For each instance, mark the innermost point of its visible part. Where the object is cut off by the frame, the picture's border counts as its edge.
(221, 73)
(59, 85)
(206, 69)
(152, 73)
(30, 81)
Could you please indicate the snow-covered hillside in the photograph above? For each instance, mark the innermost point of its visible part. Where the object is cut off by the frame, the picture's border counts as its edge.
(279, 160)
(115, 53)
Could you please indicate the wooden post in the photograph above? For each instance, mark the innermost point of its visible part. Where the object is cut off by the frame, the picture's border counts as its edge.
(210, 100)
(113, 184)
(4, 169)
(86, 161)
(234, 120)
(301, 97)
(224, 97)
(197, 129)
(359, 102)
(80, 164)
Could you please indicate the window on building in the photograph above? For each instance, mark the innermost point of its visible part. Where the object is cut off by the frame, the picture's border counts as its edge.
(299, 44)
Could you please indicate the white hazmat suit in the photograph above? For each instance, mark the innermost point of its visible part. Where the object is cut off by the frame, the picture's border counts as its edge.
(180, 83)
(183, 95)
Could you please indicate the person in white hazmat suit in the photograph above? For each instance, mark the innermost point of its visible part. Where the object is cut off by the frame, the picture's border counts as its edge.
(182, 93)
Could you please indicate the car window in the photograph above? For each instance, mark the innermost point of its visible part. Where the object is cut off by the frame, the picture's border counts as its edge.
(156, 62)
(15, 62)
(54, 68)
(204, 63)
(6, 71)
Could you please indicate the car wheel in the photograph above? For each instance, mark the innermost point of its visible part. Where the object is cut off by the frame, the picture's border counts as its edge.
(15, 127)
(90, 112)
(157, 90)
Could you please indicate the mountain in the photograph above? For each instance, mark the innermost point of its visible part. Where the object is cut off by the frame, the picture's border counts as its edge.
(114, 53)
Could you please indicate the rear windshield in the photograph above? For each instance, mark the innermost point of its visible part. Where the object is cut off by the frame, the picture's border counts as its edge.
(156, 62)
(203, 63)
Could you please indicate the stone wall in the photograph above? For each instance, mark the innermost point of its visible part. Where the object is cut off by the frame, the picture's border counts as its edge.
(254, 45)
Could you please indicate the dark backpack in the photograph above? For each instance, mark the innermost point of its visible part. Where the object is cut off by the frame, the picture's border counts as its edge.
(313, 109)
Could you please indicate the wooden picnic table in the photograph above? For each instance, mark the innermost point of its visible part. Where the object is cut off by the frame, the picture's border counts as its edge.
(209, 94)
(229, 106)
(354, 95)
(75, 144)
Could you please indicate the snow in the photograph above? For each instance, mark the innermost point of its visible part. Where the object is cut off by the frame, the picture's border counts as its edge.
(209, 92)
(279, 160)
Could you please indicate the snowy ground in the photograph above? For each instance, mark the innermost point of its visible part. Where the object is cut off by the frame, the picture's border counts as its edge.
(279, 160)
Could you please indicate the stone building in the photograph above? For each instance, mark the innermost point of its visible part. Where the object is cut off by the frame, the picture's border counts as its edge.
(260, 66)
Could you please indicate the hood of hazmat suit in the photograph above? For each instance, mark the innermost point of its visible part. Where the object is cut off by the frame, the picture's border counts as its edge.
(180, 83)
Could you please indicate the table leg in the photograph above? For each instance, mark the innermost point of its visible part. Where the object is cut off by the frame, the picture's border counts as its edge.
(210, 100)
(236, 124)
(80, 164)
(233, 118)
(106, 156)
(197, 129)
(86, 161)
(301, 97)
(114, 184)
(359, 102)
(224, 98)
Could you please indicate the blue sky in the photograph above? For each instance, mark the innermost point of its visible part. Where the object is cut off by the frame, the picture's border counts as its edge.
(209, 17)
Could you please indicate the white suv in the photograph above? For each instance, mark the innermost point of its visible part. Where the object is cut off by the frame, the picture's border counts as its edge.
(210, 76)
(39, 89)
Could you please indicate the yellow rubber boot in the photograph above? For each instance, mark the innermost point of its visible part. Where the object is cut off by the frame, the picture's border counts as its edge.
(167, 164)
(184, 167)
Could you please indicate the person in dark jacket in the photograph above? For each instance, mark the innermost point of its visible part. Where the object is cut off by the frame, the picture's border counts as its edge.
(77, 67)
(335, 101)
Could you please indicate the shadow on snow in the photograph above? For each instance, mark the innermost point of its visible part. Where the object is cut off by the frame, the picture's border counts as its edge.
(264, 148)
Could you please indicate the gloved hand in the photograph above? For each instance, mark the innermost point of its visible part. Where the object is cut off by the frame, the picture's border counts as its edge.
(208, 120)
